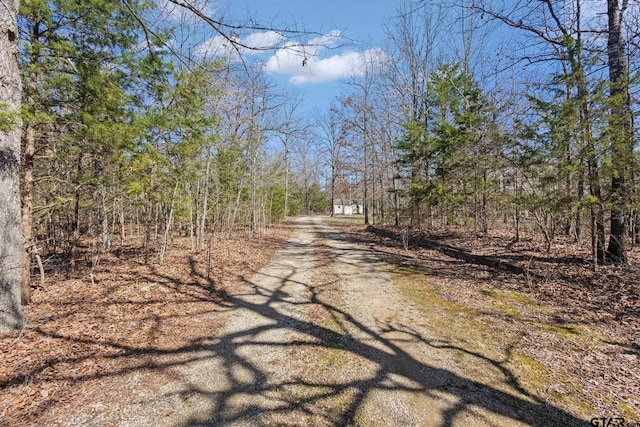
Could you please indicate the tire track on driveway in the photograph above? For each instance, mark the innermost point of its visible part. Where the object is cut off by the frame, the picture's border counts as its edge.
(334, 343)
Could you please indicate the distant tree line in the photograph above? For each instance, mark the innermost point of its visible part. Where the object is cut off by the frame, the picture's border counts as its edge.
(460, 128)
(130, 135)
(120, 130)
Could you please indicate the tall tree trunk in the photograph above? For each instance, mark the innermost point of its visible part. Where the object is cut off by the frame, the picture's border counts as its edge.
(11, 240)
(104, 217)
(516, 214)
(147, 244)
(286, 178)
(232, 221)
(396, 201)
(586, 138)
(122, 224)
(578, 221)
(27, 210)
(167, 228)
(28, 167)
(373, 194)
(75, 237)
(597, 211)
(203, 217)
(365, 202)
(192, 236)
(365, 166)
(636, 228)
(484, 208)
(619, 130)
(100, 197)
(333, 187)
(253, 202)
(567, 178)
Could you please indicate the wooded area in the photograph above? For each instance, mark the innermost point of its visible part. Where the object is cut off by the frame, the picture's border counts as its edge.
(536, 134)
(130, 132)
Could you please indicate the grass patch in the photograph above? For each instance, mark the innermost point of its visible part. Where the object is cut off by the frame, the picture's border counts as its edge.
(451, 321)
(532, 374)
(467, 329)
(508, 310)
(506, 296)
(416, 286)
(539, 380)
(510, 304)
(344, 220)
(567, 332)
(326, 362)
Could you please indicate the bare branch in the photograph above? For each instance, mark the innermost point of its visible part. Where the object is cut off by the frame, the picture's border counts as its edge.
(512, 23)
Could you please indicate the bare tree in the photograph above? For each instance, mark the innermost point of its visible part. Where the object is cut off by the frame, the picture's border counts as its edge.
(556, 33)
(412, 34)
(332, 141)
(361, 103)
(289, 129)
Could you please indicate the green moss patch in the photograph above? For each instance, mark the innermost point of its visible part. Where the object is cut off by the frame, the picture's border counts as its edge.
(480, 332)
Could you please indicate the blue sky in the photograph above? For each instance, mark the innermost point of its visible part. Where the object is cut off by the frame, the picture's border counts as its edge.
(349, 33)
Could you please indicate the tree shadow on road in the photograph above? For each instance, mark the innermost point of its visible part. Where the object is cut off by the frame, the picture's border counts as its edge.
(252, 395)
(390, 362)
(391, 369)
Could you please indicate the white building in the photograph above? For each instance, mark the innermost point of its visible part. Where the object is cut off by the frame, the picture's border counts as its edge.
(347, 207)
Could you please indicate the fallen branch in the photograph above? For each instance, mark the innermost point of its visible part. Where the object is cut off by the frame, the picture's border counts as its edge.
(452, 251)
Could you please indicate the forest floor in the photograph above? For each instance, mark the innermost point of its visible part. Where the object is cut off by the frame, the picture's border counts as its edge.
(323, 322)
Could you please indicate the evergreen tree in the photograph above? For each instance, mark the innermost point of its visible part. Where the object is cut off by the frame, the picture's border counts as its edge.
(437, 151)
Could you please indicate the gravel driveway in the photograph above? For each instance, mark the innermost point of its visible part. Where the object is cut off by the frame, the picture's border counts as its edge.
(321, 336)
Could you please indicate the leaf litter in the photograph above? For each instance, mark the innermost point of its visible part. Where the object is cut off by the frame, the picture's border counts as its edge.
(573, 334)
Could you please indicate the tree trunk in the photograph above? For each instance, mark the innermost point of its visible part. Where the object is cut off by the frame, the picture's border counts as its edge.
(253, 203)
(578, 222)
(365, 202)
(620, 131)
(203, 217)
(396, 203)
(122, 224)
(192, 236)
(11, 239)
(104, 218)
(286, 179)
(147, 245)
(333, 187)
(597, 212)
(484, 208)
(27, 210)
(365, 166)
(167, 228)
(75, 238)
(636, 228)
(516, 214)
(232, 221)
(28, 167)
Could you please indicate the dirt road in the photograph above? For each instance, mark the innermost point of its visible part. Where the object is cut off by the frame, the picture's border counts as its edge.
(321, 336)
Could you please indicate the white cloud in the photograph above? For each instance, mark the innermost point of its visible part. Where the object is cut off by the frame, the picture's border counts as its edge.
(252, 44)
(263, 40)
(215, 46)
(304, 62)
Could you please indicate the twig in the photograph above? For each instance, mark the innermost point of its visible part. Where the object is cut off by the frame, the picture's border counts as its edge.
(19, 336)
